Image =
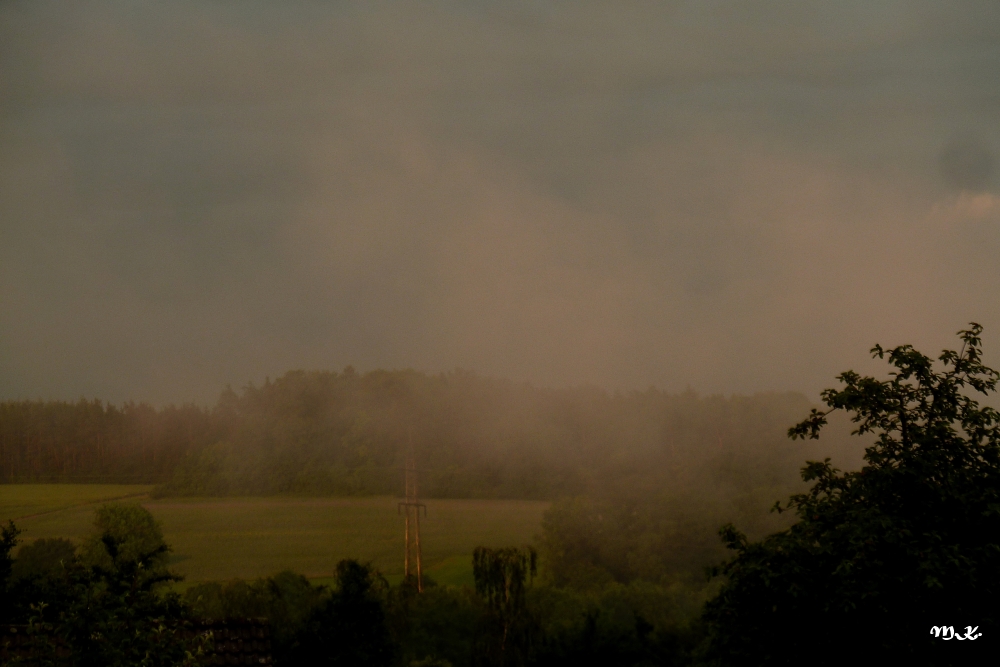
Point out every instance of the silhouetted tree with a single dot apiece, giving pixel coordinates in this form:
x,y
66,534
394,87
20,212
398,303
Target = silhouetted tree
x,y
108,608
879,556
350,628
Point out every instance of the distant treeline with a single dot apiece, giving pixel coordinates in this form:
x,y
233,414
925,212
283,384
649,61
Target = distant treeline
x,y
348,433
90,441
641,481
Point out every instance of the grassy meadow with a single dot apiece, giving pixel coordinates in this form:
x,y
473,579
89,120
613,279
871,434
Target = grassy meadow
x,y
222,538
26,501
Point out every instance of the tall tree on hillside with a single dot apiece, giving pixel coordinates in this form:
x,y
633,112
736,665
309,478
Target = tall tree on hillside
x,y
881,555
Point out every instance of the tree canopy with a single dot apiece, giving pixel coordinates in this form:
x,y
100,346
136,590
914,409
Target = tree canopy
x,y
879,556
104,608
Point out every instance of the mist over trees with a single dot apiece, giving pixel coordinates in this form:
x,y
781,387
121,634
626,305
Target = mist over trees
x,y
345,434
872,557
641,481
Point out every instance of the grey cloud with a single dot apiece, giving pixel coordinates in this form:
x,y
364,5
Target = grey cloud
x,y
732,196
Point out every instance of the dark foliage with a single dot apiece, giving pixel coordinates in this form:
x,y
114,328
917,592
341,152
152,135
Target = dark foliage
x,y
879,556
46,558
350,628
502,579
437,627
115,617
287,600
8,540
638,624
104,609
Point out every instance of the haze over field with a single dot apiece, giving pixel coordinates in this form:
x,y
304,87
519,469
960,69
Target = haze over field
x,y
738,197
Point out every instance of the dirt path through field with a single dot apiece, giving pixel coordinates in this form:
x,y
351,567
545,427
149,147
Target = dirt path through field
x,y
83,504
27,502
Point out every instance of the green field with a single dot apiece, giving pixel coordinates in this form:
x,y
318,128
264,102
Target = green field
x,y
222,538
28,500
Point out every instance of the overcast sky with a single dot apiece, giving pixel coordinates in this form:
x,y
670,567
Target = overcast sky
x,y
731,196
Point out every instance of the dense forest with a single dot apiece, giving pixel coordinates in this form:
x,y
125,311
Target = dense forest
x,y
90,441
348,433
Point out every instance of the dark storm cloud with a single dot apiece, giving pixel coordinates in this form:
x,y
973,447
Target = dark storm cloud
x,y
733,196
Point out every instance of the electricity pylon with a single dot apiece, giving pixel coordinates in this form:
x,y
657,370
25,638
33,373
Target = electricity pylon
x,y
412,506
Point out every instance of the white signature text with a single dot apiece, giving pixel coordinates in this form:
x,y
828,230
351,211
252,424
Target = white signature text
x,y
948,632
